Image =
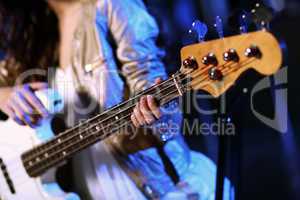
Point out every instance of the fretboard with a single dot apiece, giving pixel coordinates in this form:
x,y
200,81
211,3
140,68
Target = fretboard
x,y
39,159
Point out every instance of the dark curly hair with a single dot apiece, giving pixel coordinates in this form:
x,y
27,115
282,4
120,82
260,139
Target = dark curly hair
x,y
28,34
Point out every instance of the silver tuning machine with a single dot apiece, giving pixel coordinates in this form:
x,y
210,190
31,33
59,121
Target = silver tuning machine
x,y
231,55
210,59
253,52
190,63
215,74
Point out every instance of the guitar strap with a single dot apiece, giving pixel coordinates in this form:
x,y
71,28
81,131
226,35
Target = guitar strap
x,y
138,177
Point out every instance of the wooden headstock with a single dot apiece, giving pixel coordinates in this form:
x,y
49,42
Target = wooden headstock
x,y
215,65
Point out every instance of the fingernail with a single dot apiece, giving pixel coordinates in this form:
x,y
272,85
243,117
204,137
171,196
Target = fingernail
x,y
149,97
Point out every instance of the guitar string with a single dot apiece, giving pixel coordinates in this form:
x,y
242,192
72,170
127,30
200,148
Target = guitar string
x,y
177,74
16,176
110,125
106,126
86,138
86,122
114,107
122,125
125,116
44,150
92,135
51,163
56,159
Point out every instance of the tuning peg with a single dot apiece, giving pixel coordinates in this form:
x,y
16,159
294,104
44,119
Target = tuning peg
x,y
199,29
190,63
219,26
210,59
231,55
253,52
261,15
215,74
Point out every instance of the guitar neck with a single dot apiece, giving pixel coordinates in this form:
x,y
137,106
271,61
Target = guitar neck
x,y
39,159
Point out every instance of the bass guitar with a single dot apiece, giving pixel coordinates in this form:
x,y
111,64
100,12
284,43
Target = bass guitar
x,y
212,66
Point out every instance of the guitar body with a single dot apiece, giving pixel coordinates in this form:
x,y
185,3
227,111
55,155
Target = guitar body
x,y
15,140
15,183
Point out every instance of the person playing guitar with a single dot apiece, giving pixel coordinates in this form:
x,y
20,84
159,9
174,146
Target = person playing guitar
x,y
79,36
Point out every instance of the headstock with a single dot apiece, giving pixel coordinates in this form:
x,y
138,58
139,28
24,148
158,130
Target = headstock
x,y
215,65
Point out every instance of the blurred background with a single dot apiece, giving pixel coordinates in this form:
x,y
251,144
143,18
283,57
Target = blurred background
x,y
262,161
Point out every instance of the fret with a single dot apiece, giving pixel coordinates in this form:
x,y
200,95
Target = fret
x,y
47,155
67,147
39,167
